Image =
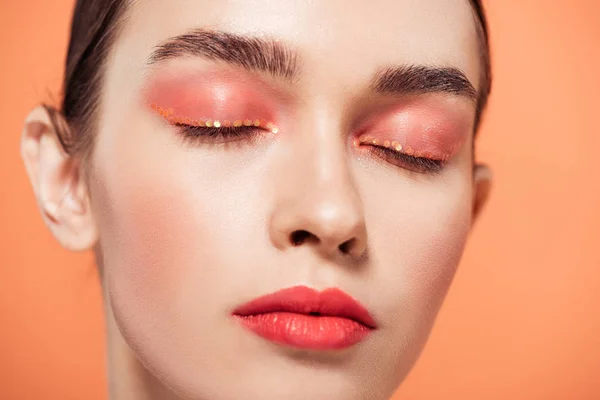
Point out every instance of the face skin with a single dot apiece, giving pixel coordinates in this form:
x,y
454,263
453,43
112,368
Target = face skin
x,y
189,230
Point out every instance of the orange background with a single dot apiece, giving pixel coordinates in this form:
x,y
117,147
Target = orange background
x,y
522,320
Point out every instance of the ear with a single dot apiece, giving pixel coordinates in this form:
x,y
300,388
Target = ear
x,y
58,182
482,180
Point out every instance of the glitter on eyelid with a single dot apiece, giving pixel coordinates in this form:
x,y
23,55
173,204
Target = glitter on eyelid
x,y
366,139
172,118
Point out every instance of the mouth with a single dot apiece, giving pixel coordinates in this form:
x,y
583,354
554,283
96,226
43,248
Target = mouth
x,y
301,317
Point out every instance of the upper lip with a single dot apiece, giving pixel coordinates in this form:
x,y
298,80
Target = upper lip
x,y
304,300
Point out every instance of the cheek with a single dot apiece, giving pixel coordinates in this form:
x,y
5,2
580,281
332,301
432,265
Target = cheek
x,y
157,223
417,232
152,227
167,216
439,240
420,237
441,224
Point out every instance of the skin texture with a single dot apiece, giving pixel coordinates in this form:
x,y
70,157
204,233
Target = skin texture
x,y
186,232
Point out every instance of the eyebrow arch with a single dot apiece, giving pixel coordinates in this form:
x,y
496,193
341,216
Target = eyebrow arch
x,y
254,54
420,79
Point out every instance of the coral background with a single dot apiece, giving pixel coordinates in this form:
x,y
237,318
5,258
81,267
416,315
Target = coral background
x,y
522,319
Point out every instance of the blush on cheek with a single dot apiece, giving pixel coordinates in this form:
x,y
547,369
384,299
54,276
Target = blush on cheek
x,y
156,243
157,228
440,254
154,227
146,222
423,247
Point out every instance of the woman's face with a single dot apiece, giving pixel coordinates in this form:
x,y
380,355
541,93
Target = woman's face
x,y
359,177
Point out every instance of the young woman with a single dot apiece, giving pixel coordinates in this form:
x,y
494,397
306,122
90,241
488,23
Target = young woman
x,y
278,193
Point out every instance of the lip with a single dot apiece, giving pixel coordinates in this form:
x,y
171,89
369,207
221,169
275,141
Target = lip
x,y
302,317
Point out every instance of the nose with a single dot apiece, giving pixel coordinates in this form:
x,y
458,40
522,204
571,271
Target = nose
x,y
317,203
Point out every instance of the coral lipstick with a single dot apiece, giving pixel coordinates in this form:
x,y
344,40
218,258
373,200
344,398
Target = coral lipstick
x,y
304,318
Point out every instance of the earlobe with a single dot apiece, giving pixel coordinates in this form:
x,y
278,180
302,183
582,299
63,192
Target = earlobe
x,y
482,181
57,182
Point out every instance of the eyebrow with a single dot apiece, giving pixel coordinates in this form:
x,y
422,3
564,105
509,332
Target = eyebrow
x,y
254,54
274,58
420,79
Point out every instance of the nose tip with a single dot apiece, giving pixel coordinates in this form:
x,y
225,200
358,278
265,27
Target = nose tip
x,y
331,227
317,203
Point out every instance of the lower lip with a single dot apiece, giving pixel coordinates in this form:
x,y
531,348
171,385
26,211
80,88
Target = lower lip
x,y
306,331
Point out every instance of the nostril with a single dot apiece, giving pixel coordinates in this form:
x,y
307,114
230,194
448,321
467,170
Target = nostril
x,y
299,237
346,246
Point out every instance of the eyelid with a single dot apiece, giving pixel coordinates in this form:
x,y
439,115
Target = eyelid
x,y
170,116
403,160
391,151
424,127
395,145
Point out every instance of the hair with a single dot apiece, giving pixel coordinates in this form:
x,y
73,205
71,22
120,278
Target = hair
x,y
94,28
485,80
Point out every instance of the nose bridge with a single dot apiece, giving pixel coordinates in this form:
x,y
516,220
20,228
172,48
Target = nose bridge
x,y
317,201
324,150
324,156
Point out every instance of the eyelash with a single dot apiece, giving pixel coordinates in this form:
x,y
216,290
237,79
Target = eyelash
x,y
403,160
200,134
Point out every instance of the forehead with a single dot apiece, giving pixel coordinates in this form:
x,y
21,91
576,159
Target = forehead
x,y
348,39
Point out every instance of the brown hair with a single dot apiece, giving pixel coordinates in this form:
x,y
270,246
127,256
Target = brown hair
x,y
94,28
485,80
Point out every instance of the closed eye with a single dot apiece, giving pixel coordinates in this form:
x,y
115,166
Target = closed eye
x,y
403,160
